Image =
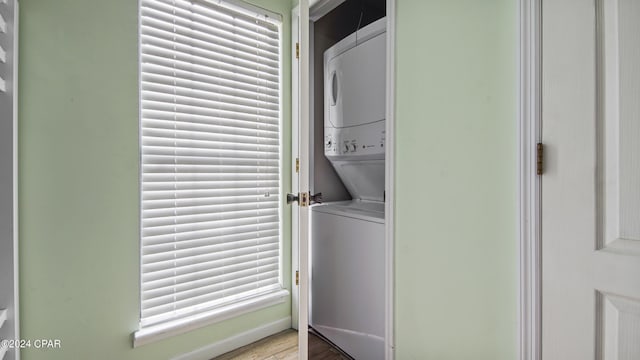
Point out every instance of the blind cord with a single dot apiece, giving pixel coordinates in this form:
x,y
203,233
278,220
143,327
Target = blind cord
x,y
359,20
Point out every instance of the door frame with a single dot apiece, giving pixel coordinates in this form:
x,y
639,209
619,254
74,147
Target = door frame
x,y
318,9
529,182
295,188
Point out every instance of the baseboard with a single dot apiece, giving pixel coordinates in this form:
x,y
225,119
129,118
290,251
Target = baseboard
x,y
236,341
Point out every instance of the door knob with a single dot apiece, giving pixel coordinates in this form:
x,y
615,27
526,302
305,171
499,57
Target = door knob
x,y
316,198
306,198
292,197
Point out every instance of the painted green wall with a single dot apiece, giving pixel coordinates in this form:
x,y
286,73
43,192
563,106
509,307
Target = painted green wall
x,y
78,146
456,239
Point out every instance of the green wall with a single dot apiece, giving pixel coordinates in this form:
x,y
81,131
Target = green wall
x,y
456,238
78,179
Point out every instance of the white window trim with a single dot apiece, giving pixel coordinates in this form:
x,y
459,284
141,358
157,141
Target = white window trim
x,y
165,330
153,333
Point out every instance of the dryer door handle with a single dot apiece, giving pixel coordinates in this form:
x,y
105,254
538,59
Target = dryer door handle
x,y
334,88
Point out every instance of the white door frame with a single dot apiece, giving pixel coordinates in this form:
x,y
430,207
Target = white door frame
x,y
390,186
295,188
320,8
529,182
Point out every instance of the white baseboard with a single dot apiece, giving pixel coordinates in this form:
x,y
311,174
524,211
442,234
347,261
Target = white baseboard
x,y
236,341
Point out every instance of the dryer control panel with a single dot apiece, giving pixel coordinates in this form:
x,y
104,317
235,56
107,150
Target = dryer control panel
x,y
358,141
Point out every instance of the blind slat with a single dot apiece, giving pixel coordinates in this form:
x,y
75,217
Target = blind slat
x,y
163,65
207,241
210,209
232,36
257,192
191,202
220,230
223,166
205,277
213,102
202,242
185,81
219,44
197,296
199,220
212,18
161,156
158,90
204,185
180,56
234,141
228,220
197,108
255,127
159,67
209,286
186,261
225,176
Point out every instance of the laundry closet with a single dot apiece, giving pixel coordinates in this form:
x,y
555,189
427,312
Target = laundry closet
x,y
347,142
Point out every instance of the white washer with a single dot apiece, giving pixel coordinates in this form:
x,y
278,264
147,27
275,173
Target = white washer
x,y
347,276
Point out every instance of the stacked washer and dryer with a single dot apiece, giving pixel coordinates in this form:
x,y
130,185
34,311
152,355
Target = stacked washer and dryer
x,y
347,237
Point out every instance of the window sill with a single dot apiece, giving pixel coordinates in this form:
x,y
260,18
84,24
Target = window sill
x,y
162,331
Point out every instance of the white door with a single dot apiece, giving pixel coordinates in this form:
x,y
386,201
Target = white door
x,y
591,185
301,125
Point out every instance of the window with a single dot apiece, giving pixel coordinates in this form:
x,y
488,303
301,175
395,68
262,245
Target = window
x,y
210,94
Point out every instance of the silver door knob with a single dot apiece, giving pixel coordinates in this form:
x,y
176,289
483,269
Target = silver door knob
x,y
292,197
316,198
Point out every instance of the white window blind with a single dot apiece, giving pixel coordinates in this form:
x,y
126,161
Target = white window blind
x,y
210,142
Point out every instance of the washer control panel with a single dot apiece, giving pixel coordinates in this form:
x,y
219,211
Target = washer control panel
x,y
368,139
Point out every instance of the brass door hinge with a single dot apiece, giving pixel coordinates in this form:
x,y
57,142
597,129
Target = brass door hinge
x,y
297,165
539,159
297,277
297,50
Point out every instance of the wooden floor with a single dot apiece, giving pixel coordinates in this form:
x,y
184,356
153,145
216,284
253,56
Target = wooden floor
x,y
284,346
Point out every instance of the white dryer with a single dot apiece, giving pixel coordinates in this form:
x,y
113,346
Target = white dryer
x,y
347,238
